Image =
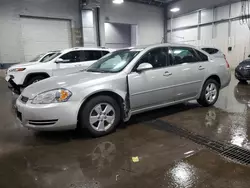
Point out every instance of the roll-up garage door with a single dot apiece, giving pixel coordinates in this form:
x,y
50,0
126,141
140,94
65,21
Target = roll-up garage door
x,y
42,35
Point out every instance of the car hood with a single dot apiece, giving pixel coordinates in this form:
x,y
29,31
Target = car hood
x,y
245,62
67,81
23,65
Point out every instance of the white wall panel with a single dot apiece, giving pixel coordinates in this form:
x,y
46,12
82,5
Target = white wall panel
x,y
222,12
88,28
240,34
206,32
10,11
187,6
235,9
207,16
240,37
149,19
134,36
88,18
185,36
43,35
187,20
221,30
221,36
117,35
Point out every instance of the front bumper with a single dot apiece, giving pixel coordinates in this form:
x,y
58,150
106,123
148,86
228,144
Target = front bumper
x,y
47,117
243,74
12,85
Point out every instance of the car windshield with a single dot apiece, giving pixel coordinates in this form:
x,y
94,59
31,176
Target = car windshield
x,y
49,57
37,58
114,62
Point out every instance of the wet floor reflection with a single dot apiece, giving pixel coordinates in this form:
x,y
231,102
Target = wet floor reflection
x,y
206,169
183,175
221,122
54,167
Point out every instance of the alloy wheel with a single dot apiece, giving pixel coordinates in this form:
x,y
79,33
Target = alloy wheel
x,y
102,117
211,92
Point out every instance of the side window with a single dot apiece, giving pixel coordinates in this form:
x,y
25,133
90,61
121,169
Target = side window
x,y
158,58
91,55
202,56
105,53
71,57
184,55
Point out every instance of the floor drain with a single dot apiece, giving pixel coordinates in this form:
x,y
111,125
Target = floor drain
x,y
229,151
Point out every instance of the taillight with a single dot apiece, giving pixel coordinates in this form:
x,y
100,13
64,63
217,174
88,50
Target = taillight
x,y
228,66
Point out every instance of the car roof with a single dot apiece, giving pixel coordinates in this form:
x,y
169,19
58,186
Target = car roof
x,y
54,51
86,48
142,47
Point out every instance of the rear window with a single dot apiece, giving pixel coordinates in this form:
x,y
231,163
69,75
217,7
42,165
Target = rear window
x,y
210,50
202,56
91,55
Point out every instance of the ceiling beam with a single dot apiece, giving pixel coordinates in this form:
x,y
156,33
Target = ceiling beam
x,y
149,2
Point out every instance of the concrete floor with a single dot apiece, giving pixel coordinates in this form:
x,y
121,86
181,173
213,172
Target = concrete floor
x,y
136,155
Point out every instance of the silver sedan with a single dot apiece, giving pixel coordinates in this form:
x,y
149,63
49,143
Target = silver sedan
x,y
123,83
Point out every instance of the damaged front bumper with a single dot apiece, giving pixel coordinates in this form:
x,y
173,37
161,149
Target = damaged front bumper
x,y
12,85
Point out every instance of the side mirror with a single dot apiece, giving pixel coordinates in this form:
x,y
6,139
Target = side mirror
x,y
59,60
144,66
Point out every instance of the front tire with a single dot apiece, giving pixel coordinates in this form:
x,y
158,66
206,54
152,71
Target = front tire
x,y
100,115
209,94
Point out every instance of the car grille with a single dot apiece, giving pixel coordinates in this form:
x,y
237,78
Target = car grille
x,y
43,122
244,73
24,99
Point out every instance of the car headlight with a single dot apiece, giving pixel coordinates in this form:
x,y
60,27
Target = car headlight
x,y
17,70
53,96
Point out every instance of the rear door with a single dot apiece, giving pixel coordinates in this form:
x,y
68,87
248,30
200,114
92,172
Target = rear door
x,y
191,66
154,86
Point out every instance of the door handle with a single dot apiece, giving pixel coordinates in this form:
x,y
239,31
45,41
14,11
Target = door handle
x,y
201,68
167,73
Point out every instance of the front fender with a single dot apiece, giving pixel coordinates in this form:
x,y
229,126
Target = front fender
x,y
117,87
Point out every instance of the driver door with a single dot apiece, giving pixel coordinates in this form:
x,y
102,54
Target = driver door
x,y
154,86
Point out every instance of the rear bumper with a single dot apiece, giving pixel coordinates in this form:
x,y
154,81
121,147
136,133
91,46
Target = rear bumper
x,y
226,79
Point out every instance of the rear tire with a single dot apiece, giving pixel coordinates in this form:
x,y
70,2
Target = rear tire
x,y
35,79
100,115
210,93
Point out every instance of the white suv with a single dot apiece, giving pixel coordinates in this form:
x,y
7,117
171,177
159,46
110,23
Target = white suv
x,y
60,63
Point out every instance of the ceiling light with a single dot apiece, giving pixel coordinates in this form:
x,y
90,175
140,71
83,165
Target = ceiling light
x,y
176,9
118,1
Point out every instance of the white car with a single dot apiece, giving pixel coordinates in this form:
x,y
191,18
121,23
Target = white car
x,y
60,63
